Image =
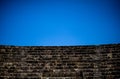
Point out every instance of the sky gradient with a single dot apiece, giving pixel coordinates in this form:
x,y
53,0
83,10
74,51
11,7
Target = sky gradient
x,y
59,22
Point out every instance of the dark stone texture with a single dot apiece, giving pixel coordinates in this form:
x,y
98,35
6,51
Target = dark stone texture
x,y
60,62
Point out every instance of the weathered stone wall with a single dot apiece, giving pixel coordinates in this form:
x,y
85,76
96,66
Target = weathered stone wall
x,y
60,62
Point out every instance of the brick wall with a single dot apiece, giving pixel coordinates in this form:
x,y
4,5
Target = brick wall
x,y
60,62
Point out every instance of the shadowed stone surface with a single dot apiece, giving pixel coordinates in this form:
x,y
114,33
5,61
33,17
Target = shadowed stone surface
x,y
60,62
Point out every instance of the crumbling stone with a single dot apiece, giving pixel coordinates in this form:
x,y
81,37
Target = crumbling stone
x,y
60,62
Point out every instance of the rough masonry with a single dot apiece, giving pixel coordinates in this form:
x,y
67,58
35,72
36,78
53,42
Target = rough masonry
x,y
60,62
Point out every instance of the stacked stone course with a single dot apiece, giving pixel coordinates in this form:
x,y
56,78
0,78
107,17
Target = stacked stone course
x,y
60,62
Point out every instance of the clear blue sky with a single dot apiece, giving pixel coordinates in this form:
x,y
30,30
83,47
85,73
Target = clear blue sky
x,y
59,22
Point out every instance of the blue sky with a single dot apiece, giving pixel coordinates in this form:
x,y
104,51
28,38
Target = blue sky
x,y
59,22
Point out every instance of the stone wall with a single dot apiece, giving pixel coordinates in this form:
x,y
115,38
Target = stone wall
x,y
60,62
